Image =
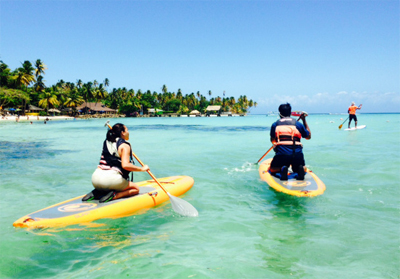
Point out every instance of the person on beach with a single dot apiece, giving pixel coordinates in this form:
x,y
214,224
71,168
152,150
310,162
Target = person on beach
x,y
352,112
285,135
111,177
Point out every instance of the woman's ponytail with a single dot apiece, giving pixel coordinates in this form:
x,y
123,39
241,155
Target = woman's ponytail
x,y
115,132
110,136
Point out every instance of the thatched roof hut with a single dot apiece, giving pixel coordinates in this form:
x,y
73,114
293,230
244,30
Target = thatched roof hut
x,y
95,107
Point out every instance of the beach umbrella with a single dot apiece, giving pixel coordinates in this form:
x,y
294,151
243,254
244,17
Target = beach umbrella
x,y
11,109
54,110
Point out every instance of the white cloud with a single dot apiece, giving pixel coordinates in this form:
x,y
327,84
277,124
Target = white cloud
x,y
324,102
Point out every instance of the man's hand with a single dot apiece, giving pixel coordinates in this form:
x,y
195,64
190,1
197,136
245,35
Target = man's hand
x,y
303,116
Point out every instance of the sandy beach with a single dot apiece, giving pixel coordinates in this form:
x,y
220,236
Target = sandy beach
x,y
33,119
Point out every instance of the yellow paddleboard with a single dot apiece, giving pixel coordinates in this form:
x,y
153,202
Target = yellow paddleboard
x,y
75,211
311,186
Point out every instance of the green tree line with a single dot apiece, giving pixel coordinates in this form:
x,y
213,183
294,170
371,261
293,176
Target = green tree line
x,y
26,85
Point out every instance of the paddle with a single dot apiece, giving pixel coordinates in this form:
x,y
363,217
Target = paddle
x,y
179,205
265,154
340,127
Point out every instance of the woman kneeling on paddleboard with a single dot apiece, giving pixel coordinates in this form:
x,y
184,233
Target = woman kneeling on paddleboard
x,y
111,178
285,135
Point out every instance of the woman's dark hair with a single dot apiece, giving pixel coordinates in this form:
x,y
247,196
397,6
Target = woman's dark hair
x,y
115,132
285,110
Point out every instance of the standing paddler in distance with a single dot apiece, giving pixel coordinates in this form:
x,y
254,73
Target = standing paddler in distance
x,y
111,177
285,136
352,113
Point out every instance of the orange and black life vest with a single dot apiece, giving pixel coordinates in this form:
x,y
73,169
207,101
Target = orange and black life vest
x,y
352,109
286,132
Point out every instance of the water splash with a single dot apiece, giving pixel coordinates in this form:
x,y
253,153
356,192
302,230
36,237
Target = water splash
x,y
246,167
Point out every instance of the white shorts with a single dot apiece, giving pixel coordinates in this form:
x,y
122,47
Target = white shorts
x,y
109,180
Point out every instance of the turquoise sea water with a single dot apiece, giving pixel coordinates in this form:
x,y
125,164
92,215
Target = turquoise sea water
x,y
244,229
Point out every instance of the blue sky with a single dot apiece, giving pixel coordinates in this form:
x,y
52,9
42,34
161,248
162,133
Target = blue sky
x,y
318,55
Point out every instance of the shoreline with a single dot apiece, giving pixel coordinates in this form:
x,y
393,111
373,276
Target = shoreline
x,y
12,118
33,119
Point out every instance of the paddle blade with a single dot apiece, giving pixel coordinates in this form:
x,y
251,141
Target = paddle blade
x,y
182,207
340,127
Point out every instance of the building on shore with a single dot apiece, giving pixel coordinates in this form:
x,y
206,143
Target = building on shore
x,y
213,110
93,108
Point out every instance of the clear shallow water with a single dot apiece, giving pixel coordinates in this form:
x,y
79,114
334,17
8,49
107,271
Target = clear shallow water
x,y
245,229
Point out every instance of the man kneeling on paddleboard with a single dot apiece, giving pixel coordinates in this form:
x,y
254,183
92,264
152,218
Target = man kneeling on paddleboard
x,y
285,135
111,178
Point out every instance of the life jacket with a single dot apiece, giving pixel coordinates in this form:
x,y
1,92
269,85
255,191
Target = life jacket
x,y
110,158
286,132
352,109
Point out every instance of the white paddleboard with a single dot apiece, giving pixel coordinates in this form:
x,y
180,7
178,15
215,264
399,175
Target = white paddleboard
x,y
354,128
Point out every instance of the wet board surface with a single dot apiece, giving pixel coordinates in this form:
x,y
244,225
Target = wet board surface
x,y
309,187
354,128
77,205
76,211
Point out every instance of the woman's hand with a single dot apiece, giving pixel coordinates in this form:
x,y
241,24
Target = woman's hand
x,y
145,168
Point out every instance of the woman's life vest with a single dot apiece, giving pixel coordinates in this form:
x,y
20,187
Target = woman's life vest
x,y
110,158
286,132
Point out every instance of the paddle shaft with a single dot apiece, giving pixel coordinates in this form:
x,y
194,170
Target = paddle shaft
x,y
149,172
265,154
341,125
141,163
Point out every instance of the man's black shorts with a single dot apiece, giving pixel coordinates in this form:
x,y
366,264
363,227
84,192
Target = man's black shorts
x,y
286,160
352,116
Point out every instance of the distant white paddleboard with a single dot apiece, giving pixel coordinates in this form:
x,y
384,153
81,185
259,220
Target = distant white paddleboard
x,y
354,128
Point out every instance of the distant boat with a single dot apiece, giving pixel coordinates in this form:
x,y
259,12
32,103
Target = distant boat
x,y
298,113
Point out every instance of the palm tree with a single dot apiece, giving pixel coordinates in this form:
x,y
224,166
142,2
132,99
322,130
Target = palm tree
x,y
139,94
164,89
40,68
179,95
79,83
114,99
209,93
26,77
74,99
48,99
87,91
100,93
106,82
236,108
5,74
60,83
232,101
26,73
39,86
